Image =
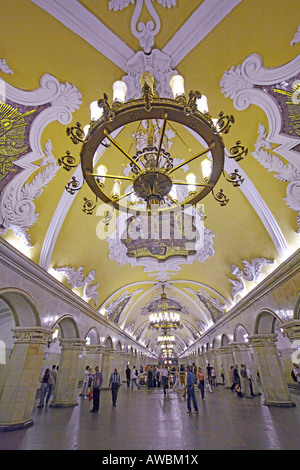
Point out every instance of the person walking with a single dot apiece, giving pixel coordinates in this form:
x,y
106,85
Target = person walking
x,y
232,378
245,386
223,374
51,383
44,386
164,379
128,375
177,380
150,377
96,385
135,375
201,384
190,382
114,383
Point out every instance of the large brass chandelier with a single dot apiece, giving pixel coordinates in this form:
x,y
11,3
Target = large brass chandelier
x,y
153,178
165,317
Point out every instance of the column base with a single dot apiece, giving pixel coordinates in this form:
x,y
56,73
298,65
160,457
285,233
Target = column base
x,y
280,404
16,426
63,405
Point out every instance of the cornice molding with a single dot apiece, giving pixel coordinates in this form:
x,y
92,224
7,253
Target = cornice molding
x,y
26,268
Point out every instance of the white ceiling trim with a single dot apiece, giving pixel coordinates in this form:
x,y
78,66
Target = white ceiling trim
x,y
258,204
83,23
197,27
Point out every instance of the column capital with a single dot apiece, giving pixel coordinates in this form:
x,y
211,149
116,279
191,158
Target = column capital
x,y
239,346
263,340
37,334
291,329
72,343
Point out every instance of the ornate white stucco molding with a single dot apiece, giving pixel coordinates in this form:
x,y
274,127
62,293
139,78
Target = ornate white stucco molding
x,y
284,172
245,85
296,38
4,67
16,204
145,33
251,272
76,280
241,83
162,271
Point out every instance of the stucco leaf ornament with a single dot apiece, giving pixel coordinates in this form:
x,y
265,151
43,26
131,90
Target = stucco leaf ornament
x,y
145,33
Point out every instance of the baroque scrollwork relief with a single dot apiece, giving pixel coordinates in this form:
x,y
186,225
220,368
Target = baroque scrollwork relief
x,y
76,279
252,271
51,101
145,33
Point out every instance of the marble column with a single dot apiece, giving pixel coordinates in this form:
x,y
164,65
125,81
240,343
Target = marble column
x,y
274,386
94,356
226,359
292,330
66,388
20,379
242,355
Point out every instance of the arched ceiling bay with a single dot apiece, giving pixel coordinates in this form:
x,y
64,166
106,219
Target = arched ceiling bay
x,y
86,46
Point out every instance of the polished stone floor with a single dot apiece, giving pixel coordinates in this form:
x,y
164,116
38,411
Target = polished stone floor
x,y
146,420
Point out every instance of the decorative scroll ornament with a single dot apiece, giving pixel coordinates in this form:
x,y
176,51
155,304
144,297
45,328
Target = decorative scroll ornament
x,y
251,272
145,33
51,101
4,67
284,172
117,308
296,38
17,209
77,280
212,304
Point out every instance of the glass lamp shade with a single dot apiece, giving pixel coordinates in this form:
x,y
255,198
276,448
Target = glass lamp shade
x,y
86,130
206,166
119,91
191,180
147,79
96,111
177,86
101,171
116,192
202,104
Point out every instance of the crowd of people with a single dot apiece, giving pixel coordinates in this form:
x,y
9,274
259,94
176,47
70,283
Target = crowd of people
x,y
184,378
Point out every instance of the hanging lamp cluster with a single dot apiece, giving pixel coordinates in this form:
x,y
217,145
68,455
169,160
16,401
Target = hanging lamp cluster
x,y
152,177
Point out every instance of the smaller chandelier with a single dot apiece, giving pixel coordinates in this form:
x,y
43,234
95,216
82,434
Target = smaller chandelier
x,y
164,318
166,339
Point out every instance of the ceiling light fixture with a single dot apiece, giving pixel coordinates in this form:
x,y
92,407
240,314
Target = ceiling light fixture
x,y
153,178
165,318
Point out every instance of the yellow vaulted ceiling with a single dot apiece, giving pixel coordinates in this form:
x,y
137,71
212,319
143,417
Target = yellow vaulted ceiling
x,y
35,41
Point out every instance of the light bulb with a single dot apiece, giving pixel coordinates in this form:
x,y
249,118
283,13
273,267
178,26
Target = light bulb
x,y
206,166
101,171
96,111
119,91
202,104
86,131
116,189
191,180
177,86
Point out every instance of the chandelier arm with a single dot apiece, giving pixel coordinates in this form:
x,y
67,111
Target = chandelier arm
x,y
194,184
121,150
192,158
124,195
161,138
109,176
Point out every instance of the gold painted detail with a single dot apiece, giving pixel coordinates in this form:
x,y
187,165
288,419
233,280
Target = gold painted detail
x,y
12,137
